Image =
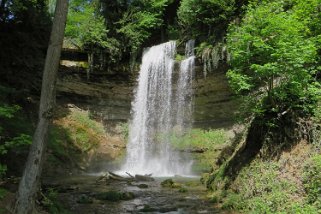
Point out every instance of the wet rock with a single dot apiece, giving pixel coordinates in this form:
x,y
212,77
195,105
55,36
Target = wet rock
x,y
148,208
167,209
115,196
142,186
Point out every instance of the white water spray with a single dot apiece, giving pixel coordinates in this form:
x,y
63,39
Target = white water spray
x,y
184,92
157,111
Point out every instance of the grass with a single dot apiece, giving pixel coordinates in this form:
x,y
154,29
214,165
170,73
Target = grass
x,y
77,130
263,187
312,180
74,134
207,142
200,139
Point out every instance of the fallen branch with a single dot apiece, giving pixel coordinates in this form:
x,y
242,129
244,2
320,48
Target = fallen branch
x,y
130,175
112,176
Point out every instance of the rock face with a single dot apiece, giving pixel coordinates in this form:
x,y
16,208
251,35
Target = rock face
x,y
108,97
214,106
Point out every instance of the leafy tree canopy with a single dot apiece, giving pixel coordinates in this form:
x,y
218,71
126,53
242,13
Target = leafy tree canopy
x,y
201,17
141,18
272,51
85,25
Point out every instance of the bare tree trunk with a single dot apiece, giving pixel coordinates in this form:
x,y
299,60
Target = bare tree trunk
x,y
30,181
90,63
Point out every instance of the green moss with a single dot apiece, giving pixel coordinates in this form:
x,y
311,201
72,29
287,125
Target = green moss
x,y
115,196
167,183
84,199
179,57
182,190
147,208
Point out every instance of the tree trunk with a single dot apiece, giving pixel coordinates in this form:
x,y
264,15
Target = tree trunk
x,y
30,181
90,63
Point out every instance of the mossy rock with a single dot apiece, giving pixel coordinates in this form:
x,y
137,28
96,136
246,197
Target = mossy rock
x,y
127,196
170,184
143,186
167,183
176,185
182,190
115,196
147,208
84,199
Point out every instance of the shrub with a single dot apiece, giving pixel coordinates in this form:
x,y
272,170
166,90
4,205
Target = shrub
x,y
312,181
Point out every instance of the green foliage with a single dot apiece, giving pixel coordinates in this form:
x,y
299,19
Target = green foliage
x,y
85,26
179,57
59,140
260,188
75,134
272,52
207,142
200,139
3,169
3,193
167,183
51,203
16,144
124,130
83,118
312,181
198,17
140,20
21,140
308,12
8,113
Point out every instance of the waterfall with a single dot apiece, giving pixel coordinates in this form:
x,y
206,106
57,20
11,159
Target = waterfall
x,y
156,110
184,92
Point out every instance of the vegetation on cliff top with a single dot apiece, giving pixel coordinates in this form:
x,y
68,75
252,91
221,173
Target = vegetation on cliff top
x,y
272,49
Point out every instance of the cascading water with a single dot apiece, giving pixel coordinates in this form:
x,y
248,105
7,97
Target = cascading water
x,y
184,92
157,110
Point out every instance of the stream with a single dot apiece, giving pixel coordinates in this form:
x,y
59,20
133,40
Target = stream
x,y
78,194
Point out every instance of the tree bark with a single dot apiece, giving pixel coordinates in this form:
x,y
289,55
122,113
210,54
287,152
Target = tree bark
x,y
30,181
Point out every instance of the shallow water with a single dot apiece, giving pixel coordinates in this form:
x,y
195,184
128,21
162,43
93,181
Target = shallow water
x,y
153,199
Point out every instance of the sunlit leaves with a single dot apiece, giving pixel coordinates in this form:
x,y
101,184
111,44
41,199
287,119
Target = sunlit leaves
x,y
197,16
85,26
140,20
271,50
8,111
